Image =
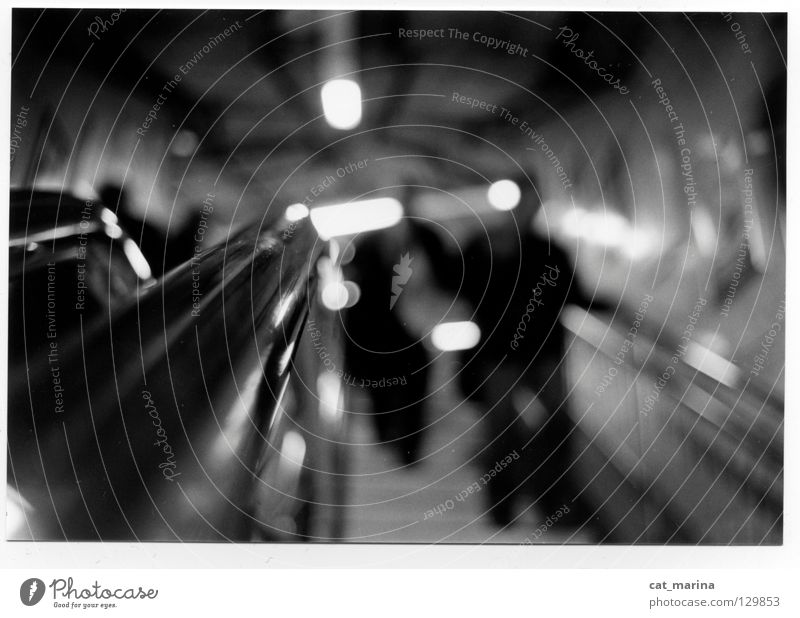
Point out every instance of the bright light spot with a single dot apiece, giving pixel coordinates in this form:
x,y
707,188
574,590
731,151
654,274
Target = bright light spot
x,y
704,232
279,406
335,296
82,189
608,228
611,230
504,195
571,220
108,217
295,212
356,217
641,244
282,310
17,512
237,422
137,260
184,143
712,364
325,267
759,251
452,336
293,451
341,103
329,390
285,358
353,293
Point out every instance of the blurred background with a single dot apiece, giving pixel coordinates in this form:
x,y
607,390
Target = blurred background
x,y
630,166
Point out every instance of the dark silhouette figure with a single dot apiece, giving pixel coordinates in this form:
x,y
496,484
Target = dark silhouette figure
x,y
518,283
382,356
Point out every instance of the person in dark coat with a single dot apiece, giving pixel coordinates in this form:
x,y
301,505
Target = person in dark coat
x,y
518,283
382,354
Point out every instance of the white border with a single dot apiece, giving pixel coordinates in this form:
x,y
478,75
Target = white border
x,y
204,556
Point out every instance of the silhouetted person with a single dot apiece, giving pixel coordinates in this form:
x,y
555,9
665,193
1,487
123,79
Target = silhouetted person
x,y
518,283
382,356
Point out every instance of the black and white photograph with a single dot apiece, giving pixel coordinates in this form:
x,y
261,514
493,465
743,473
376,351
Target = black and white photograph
x,y
395,276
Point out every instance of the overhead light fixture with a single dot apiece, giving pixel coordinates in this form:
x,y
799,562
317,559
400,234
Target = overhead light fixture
x,y
452,336
295,212
504,195
341,103
356,217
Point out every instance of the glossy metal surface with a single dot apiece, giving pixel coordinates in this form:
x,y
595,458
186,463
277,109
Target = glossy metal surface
x,y
704,465
167,412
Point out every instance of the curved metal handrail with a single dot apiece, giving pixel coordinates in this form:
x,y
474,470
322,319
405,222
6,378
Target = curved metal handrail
x,y
165,401
707,459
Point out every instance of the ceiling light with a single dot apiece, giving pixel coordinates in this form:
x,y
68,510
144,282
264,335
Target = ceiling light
x,y
341,103
295,212
504,195
450,336
356,217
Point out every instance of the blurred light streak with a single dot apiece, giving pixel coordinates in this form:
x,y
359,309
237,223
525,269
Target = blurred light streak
x,y
609,229
136,258
329,389
712,364
451,336
705,235
356,217
17,511
283,308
